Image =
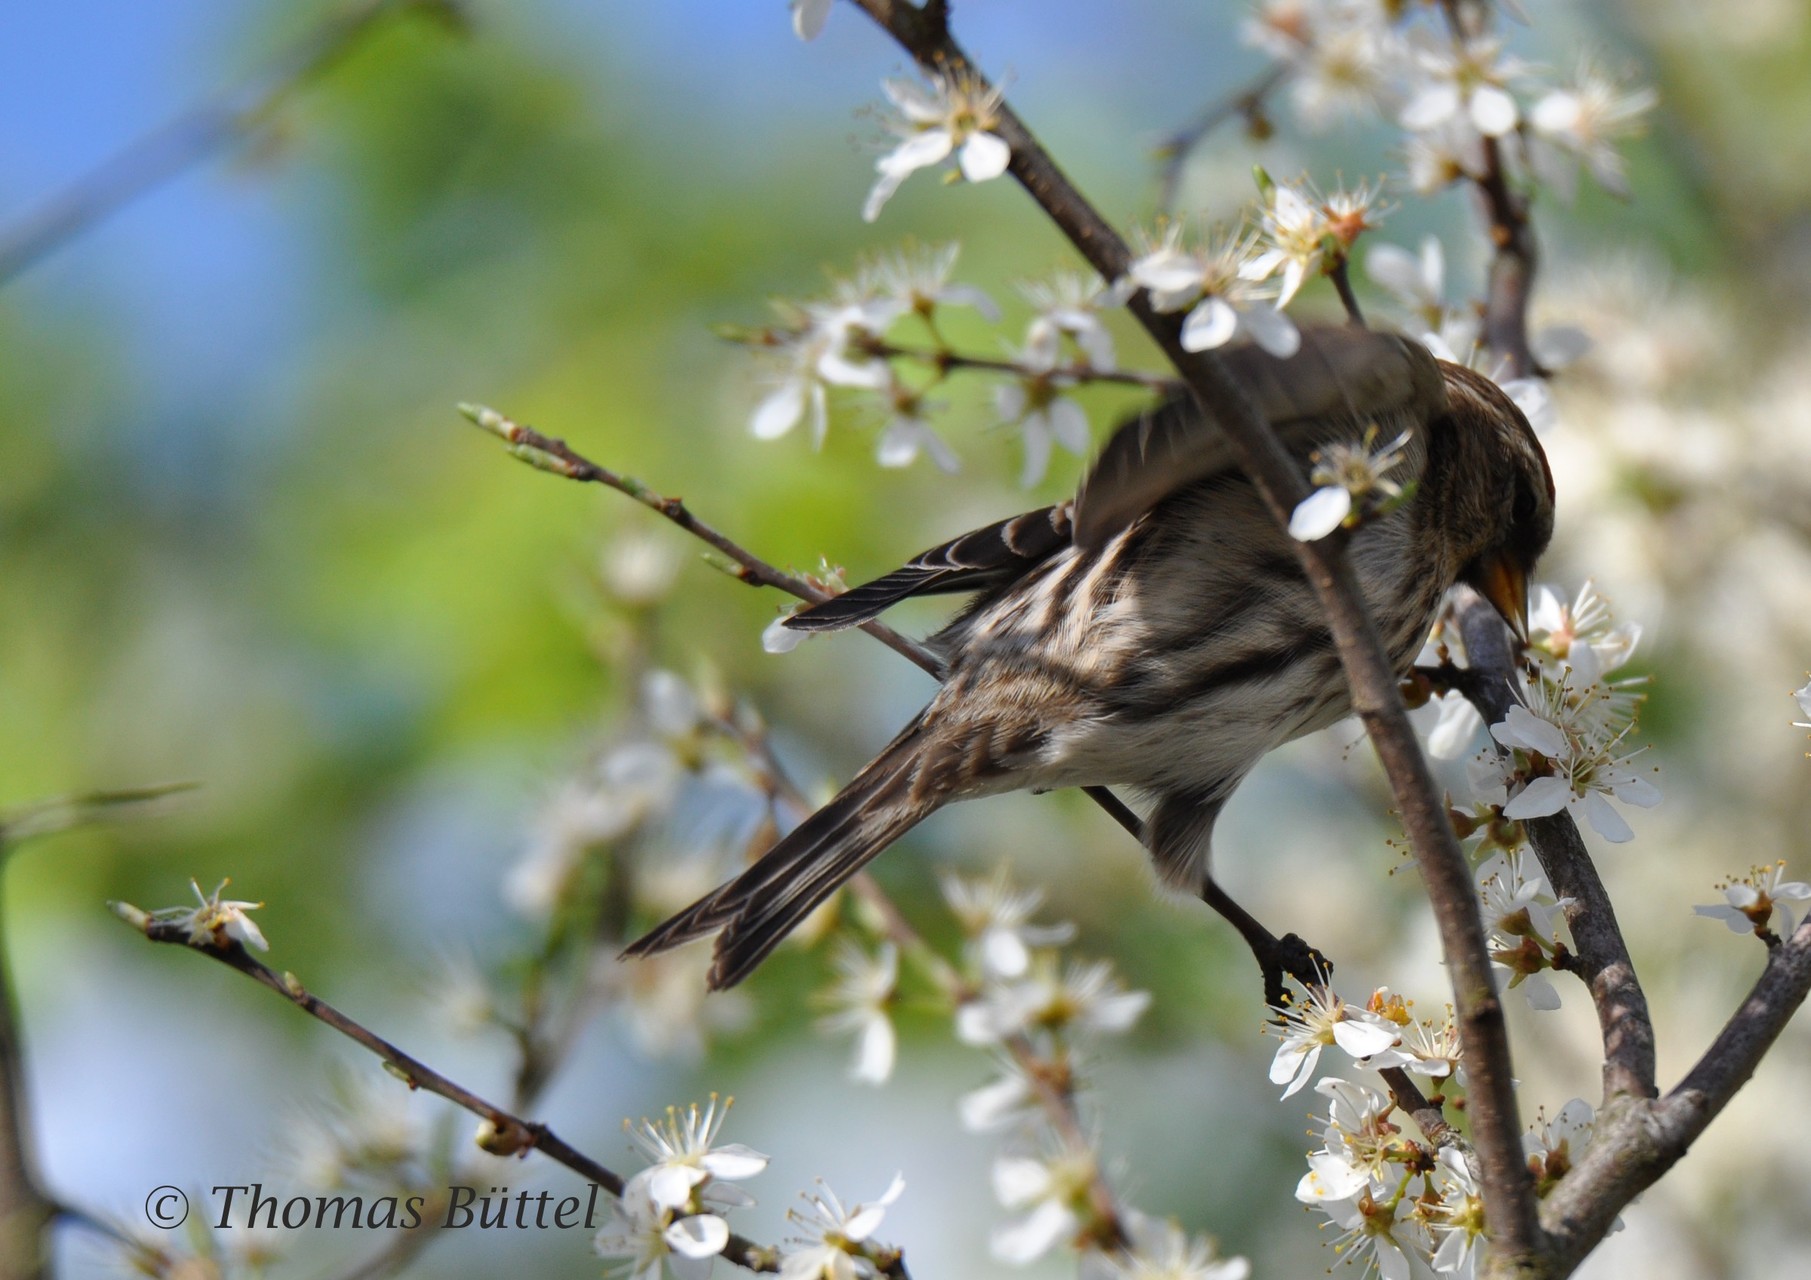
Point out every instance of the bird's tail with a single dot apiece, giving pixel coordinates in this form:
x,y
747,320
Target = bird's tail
x,y
753,912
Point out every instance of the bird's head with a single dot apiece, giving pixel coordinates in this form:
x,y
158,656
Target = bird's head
x,y
1504,490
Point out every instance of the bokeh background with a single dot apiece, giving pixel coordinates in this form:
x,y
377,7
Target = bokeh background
x,y
246,541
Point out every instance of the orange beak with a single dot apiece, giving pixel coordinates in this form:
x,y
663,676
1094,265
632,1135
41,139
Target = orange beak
x,y
1502,581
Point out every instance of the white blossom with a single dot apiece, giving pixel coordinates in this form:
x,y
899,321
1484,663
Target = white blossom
x,y
1575,734
646,1235
1552,1146
1219,286
996,919
835,1243
821,347
1581,123
216,922
1085,998
1803,698
1458,1224
1050,1190
1346,476
681,1146
907,434
998,1104
1159,1249
1044,416
1323,1019
1582,633
1750,902
861,1000
1070,304
1465,84
917,279
955,114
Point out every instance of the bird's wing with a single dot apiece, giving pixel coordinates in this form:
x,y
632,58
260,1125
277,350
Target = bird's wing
x,y
984,558
1341,375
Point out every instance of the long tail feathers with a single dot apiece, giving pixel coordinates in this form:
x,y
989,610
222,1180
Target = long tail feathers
x,y
754,912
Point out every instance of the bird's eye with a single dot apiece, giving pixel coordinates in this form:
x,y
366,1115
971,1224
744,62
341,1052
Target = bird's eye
x,y
1524,504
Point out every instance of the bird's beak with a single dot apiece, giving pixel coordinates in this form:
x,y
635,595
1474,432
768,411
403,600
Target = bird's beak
x,y
1502,581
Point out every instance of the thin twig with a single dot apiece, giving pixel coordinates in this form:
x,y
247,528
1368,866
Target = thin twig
x,y
944,360
548,453
509,1134
1247,103
1508,1190
193,136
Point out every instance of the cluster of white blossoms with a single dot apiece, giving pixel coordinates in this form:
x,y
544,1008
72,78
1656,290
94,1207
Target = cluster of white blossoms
x,y
1454,96
1403,1204
670,1215
843,342
1565,744
1037,1012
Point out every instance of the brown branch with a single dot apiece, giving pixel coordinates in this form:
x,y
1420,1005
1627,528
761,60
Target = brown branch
x,y
548,453
943,361
1507,1188
1601,957
191,137
25,1209
1247,103
510,1134
1636,1140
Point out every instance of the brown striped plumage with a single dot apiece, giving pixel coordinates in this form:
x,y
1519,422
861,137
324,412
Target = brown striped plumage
x,y
1157,632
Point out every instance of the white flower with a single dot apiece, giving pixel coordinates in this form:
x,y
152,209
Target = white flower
x,y
1517,909
1053,1189
835,1245
1582,634
1216,285
1466,84
1582,123
1341,55
1552,1146
1436,158
1458,1223
1347,475
1373,1236
861,1000
1296,230
1070,304
1418,281
1043,416
1320,1020
646,1235
638,568
1448,723
216,922
908,433
917,279
996,919
955,114
820,347
1087,998
1159,1249
809,16
1749,903
998,1104
680,1145
1575,733
1803,698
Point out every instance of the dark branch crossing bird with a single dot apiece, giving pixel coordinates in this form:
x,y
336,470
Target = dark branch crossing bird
x,y
1157,631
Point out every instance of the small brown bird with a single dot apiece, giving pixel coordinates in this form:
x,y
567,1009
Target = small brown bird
x,y
1157,632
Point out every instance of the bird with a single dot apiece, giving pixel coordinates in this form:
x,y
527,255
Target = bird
x,y
1157,631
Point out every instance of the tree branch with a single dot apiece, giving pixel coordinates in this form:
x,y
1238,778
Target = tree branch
x,y
193,136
